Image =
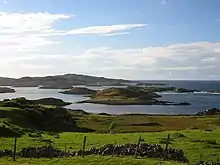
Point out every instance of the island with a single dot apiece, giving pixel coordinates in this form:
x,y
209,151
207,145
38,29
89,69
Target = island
x,y
18,102
65,81
127,96
56,86
183,90
161,88
79,91
6,90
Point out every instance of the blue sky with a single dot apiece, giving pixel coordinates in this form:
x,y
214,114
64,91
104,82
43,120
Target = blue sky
x,y
135,39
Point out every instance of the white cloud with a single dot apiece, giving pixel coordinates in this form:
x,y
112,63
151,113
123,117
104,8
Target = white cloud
x,y
173,62
24,36
105,30
27,31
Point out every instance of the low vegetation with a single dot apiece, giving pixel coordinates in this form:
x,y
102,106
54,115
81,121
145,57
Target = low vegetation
x,y
37,125
132,95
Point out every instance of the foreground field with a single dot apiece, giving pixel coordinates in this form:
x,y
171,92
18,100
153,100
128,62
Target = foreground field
x,y
90,160
197,136
196,144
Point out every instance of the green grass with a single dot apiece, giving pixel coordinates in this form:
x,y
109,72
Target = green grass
x,y
200,134
143,123
194,144
89,160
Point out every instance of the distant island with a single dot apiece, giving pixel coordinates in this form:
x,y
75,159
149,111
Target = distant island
x,y
61,81
6,90
79,91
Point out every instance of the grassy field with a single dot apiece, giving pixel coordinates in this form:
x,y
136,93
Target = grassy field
x,y
196,145
199,135
146,123
90,160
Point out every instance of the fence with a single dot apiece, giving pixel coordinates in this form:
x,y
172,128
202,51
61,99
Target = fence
x,y
42,147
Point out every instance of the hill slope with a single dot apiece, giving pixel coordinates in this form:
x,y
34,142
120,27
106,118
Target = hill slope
x,y
60,81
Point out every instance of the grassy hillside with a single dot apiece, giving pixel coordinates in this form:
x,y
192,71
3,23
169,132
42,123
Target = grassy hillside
x,y
19,116
60,81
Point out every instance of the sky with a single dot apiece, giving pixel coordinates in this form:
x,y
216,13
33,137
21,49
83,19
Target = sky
x,y
131,39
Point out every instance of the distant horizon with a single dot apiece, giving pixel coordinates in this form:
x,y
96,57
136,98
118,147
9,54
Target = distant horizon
x,y
112,77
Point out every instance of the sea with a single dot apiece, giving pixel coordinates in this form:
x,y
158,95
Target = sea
x,y
200,101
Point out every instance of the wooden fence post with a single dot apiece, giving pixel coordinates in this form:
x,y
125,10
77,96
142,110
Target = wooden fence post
x,y
84,145
138,143
30,152
50,149
65,151
168,141
15,147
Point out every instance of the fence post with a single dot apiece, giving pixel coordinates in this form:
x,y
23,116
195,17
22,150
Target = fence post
x,y
30,152
84,145
200,156
138,143
168,141
65,151
50,149
15,147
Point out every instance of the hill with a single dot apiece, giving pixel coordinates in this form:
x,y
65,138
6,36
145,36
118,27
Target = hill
x,y
60,81
123,96
20,116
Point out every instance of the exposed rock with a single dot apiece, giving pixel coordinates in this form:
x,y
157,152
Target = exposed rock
x,y
183,90
79,91
6,90
211,111
182,103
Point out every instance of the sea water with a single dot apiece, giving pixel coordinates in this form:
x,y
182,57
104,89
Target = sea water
x,y
199,100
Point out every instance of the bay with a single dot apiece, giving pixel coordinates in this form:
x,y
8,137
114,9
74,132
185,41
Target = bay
x,y
199,101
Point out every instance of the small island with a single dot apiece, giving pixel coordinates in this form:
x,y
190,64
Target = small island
x,y
79,91
6,90
183,90
57,86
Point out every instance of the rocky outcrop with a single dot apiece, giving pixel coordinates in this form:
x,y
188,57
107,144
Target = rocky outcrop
x,y
210,111
6,90
79,91
183,90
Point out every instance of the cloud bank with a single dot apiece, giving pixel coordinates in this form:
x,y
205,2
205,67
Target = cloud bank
x,y
25,36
